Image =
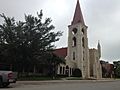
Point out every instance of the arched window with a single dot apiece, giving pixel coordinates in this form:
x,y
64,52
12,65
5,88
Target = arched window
x,y
83,55
67,67
74,31
73,55
70,71
60,70
83,42
74,42
82,31
67,70
63,70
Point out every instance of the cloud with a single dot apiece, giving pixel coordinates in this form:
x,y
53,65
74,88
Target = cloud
x,y
103,21
101,17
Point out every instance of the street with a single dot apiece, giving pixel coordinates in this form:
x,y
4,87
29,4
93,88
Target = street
x,y
69,85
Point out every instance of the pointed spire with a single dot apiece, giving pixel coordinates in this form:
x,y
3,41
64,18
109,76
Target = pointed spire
x,y
98,43
99,48
78,17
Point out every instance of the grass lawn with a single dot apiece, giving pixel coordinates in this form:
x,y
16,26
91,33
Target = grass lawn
x,y
37,78
74,78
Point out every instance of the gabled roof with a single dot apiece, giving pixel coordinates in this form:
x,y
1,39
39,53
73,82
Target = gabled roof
x,y
61,52
78,17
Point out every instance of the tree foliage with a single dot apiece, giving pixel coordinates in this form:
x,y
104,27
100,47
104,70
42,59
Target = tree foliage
x,y
25,44
117,68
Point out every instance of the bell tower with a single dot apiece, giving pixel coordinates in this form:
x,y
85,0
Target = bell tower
x,y
78,52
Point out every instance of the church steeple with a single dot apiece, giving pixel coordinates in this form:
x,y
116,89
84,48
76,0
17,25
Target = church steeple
x,y
78,51
99,49
78,17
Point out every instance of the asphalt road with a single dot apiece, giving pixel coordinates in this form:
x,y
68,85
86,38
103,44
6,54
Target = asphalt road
x,y
72,85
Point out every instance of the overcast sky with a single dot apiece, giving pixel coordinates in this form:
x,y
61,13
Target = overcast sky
x,y
101,16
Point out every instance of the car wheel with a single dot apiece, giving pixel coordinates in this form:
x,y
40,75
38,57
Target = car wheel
x,y
5,84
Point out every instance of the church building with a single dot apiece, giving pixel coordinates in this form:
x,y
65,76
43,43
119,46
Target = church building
x,y
78,56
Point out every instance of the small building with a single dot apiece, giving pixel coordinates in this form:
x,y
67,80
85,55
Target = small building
x,y
107,69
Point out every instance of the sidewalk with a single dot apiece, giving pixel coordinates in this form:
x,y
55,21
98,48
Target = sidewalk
x,y
62,81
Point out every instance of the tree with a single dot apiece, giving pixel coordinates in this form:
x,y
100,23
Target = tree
x,y
25,43
53,62
117,68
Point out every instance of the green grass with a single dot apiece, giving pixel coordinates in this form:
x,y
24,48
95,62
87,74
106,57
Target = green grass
x,y
117,78
74,78
37,78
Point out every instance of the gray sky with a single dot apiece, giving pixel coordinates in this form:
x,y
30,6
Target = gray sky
x,y
101,16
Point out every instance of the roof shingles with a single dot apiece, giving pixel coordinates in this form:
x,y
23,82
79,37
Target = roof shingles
x,y
61,52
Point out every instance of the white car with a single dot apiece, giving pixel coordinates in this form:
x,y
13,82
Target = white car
x,y
7,77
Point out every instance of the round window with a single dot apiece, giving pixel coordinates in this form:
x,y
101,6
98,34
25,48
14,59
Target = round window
x,y
74,31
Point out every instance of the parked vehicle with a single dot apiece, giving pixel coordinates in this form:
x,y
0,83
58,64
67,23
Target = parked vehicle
x,y
6,75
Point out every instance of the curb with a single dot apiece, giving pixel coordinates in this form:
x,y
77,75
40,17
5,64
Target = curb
x,y
62,81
